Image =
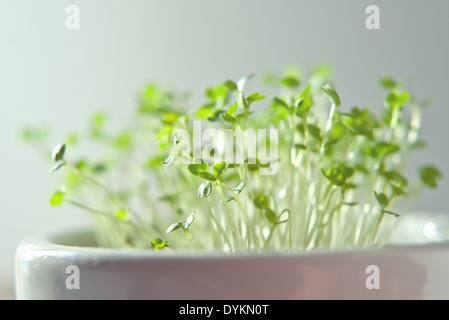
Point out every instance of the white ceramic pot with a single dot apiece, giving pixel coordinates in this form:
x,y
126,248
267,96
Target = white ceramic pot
x,y
414,266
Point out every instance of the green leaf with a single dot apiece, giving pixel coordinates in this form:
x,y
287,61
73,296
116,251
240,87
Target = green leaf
x,y
57,166
123,141
122,215
242,81
271,216
382,149
189,221
159,244
397,100
429,176
331,93
207,176
205,111
204,189
227,199
261,201
174,226
232,109
278,102
254,97
392,213
388,83
97,125
231,85
239,188
290,82
395,179
57,198
220,168
281,218
303,106
227,117
218,93
196,169
315,132
350,204
155,162
306,92
253,164
58,153
331,143
382,199
170,118
34,134
339,175
168,159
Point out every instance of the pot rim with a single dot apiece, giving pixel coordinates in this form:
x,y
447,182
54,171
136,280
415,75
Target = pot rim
x,y
49,243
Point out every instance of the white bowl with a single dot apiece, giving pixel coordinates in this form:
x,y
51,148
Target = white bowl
x,y
414,266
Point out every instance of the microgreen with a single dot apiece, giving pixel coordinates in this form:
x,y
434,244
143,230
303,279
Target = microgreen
x,y
340,169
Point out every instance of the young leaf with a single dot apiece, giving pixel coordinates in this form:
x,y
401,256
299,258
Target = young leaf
x,y
227,199
227,117
271,216
159,244
231,85
189,221
57,166
290,82
392,213
278,102
232,109
284,216
122,215
339,174
58,153
382,149
207,176
397,100
395,179
174,226
170,118
350,204
205,111
239,187
196,169
204,190
220,168
254,97
97,125
57,198
241,82
429,176
331,93
388,83
303,106
382,199
218,93
261,201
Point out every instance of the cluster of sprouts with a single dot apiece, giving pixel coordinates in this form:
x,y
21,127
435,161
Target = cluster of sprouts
x,y
339,171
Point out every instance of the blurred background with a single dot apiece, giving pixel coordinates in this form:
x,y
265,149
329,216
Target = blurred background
x,y
53,76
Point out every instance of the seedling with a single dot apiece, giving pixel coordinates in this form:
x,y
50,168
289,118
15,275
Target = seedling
x,y
339,170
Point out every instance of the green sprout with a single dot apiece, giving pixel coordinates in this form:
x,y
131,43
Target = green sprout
x,y
340,170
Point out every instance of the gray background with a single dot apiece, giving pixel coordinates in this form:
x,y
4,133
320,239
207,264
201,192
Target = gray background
x,y
50,75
